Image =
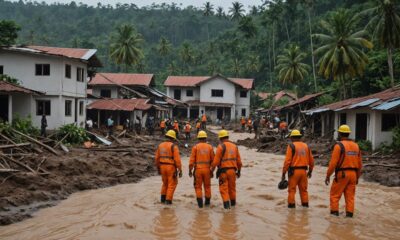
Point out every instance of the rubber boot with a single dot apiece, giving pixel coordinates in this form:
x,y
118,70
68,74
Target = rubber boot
x,y
233,203
305,205
349,214
227,205
200,202
291,205
163,198
335,213
207,202
168,202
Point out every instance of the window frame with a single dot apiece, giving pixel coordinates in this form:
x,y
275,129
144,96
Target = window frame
x,y
214,93
105,89
241,93
68,106
244,111
68,71
81,107
1,70
175,94
42,69
189,91
43,103
395,122
80,74
340,118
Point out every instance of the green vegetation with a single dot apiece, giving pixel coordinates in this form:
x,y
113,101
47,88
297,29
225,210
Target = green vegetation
x,y
365,145
6,78
73,134
8,33
349,52
23,125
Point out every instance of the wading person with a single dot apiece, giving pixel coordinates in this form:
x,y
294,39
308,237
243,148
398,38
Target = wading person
x,y
203,121
110,126
346,164
227,159
188,128
250,124
283,129
199,167
298,160
176,128
243,123
43,126
198,126
168,163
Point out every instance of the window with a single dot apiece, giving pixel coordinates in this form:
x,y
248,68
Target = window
x,y
43,107
342,118
80,108
1,70
68,107
177,94
189,93
243,94
243,112
80,74
217,93
105,93
68,71
389,121
42,70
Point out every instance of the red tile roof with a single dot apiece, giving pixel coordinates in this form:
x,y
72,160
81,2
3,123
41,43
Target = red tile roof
x,y
78,53
277,96
120,104
10,88
192,81
128,79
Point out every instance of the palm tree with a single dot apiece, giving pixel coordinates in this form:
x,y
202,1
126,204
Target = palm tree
x,y
385,25
247,26
341,48
208,11
220,12
254,10
236,11
291,68
164,47
236,67
186,54
253,64
173,68
125,48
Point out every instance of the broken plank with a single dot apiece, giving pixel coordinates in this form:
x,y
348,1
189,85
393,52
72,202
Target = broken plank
x,y
121,134
50,149
18,163
15,145
8,170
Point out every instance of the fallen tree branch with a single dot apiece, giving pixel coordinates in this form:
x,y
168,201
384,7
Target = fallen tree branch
x,y
50,149
15,145
18,163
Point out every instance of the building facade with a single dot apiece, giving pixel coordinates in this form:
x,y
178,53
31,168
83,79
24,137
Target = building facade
x,y
218,97
59,73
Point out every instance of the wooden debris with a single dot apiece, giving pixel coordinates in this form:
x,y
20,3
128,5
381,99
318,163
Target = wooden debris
x,y
50,149
15,145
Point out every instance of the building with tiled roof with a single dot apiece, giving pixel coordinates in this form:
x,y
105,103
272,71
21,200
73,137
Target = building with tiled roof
x,y
59,73
218,97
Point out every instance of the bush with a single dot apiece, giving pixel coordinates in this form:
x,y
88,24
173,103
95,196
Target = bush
x,y
25,125
365,145
396,138
76,135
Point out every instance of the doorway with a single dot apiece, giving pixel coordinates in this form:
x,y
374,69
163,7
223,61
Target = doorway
x,y
3,108
361,126
220,113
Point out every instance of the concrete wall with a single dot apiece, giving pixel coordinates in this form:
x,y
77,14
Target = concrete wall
x,y
184,98
114,90
218,83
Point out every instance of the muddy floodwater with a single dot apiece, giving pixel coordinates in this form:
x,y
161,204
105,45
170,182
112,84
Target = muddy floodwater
x,y
133,211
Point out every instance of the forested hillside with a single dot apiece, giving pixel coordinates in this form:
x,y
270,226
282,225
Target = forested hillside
x,y
270,42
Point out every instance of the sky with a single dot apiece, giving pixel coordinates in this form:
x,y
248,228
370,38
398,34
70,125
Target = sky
x,y
197,3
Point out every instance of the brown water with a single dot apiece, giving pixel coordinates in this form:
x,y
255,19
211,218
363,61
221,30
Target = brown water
x,y
132,211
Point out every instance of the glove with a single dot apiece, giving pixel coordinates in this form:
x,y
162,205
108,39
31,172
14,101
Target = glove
x,y
190,174
327,181
238,174
180,173
309,174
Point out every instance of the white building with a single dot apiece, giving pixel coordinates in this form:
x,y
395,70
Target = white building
x,y
370,117
218,96
60,73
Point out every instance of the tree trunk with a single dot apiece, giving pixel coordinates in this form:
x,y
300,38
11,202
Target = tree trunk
x,y
312,51
208,33
287,31
270,65
390,63
273,42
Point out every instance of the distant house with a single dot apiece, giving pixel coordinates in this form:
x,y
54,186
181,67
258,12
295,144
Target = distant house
x,y
118,94
371,117
218,96
60,73
281,95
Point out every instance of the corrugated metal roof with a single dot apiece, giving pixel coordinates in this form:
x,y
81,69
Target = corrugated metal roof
x,y
120,104
127,79
364,103
388,105
10,88
318,110
193,81
301,100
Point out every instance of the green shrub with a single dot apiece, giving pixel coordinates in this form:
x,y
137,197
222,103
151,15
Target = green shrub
x,y
396,138
365,145
76,135
25,125
384,148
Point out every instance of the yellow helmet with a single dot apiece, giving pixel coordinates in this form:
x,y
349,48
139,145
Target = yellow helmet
x,y
202,134
295,133
223,133
344,129
171,134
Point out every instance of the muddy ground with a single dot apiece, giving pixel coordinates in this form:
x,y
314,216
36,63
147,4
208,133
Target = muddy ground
x,y
23,193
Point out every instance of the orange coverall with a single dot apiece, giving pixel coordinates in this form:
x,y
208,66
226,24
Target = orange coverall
x,y
168,161
162,124
347,176
200,160
300,161
283,126
187,128
176,127
204,118
230,162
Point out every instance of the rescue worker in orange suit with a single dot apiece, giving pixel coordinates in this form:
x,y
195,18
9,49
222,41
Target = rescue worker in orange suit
x,y
227,159
198,126
283,129
199,167
169,166
176,128
162,127
346,163
250,124
298,160
188,128
243,123
203,121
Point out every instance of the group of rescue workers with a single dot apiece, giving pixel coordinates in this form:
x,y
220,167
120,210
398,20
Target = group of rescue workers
x,y
299,164
166,124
